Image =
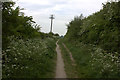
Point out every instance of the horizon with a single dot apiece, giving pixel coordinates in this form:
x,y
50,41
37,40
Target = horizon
x,y
63,11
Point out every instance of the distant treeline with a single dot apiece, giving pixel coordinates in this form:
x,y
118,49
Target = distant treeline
x,y
101,28
15,23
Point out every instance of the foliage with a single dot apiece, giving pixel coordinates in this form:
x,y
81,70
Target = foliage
x,y
74,27
101,28
17,24
27,52
108,63
95,42
93,62
29,59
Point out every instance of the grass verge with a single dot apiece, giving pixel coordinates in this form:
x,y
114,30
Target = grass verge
x,y
69,68
93,62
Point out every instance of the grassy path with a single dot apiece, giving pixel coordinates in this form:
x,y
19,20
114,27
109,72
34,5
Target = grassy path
x,y
70,54
70,64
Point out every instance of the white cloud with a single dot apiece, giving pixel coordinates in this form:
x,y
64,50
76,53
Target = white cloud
x,y
40,2
64,11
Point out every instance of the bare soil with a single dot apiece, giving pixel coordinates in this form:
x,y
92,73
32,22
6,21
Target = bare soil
x,y
60,71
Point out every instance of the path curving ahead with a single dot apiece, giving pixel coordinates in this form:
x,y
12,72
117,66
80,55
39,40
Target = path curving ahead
x,y
60,72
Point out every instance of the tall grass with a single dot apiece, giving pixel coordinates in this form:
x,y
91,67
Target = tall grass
x,y
93,62
32,58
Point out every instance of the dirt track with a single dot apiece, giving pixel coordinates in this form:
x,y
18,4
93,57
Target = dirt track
x,y
60,72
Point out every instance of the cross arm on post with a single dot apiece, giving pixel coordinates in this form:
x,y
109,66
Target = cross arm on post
x,y
51,17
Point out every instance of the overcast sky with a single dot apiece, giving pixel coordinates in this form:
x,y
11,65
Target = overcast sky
x,y
64,11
